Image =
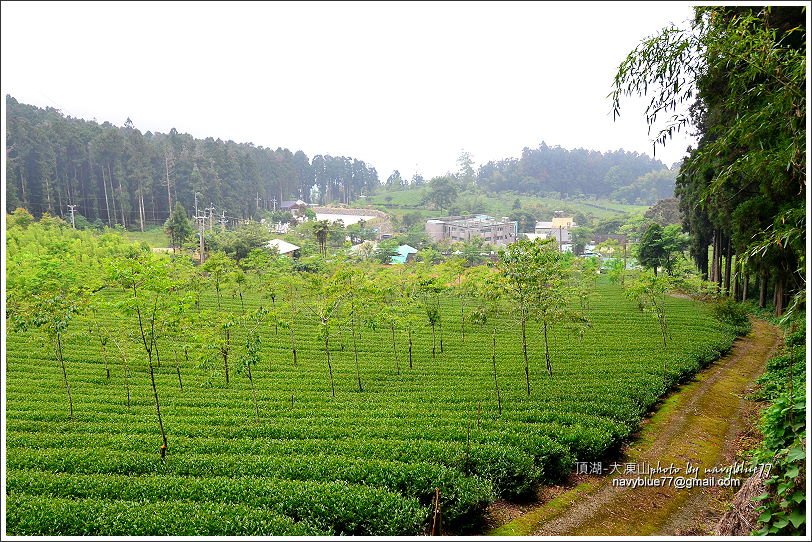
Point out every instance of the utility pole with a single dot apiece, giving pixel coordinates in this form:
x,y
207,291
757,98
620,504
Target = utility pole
x,y
210,210
72,209
201,226
274,203
257,201
223,221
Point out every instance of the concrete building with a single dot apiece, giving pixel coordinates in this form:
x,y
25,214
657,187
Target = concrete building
x,y
465,228
559,227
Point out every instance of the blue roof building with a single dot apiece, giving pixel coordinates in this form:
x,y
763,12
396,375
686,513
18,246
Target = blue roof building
x,y
405,254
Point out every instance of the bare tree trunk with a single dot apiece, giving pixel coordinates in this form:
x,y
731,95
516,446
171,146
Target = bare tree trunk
x,y
524,353
120,195
409,331
495,381
355,352
293,344
106,201
440,325
48,193
253,392
547,351
64,372
329,363
168,184
141,214
224,350
746,285
158,408
177,368
22,187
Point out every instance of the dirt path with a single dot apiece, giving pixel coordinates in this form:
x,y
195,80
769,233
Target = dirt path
x,y
700,424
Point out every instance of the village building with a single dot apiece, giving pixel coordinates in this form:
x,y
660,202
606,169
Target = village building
x,y
405,255
296,208
464,228
284,248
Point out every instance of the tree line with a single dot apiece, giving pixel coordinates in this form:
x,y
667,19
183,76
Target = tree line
x,y
742,70
118,175
628,177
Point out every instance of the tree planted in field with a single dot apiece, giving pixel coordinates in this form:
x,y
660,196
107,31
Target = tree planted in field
x,y
287,313
360,293
328,294
220,269
429,288
99,329
144,277
250,356
178,227
482,285
649,290
536,280
395,295
47,295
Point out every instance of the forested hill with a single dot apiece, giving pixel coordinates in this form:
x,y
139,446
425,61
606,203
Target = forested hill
x,y
118,175
627,177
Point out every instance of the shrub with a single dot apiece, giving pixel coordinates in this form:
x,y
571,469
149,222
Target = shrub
x,y
732,313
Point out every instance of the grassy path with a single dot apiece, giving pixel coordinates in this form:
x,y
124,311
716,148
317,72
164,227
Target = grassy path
x,y
696,424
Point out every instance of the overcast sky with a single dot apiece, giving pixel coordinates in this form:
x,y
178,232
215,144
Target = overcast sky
x,y
398,85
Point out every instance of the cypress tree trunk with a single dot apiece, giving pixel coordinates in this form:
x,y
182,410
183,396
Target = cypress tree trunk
x,y
779,295
762,289
703,264
718,258
728,264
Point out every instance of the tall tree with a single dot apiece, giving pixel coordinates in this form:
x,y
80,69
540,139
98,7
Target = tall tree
x,y
178,227
743,70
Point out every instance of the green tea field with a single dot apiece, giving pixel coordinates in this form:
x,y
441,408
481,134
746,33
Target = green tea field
x,y
301,461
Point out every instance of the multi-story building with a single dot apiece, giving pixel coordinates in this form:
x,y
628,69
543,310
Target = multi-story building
x,y
559,228
464,228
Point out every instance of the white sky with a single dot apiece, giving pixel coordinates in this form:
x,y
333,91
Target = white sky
x,y
399,85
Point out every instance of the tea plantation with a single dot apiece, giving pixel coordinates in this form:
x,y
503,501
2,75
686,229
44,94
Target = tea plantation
x,y
358,463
